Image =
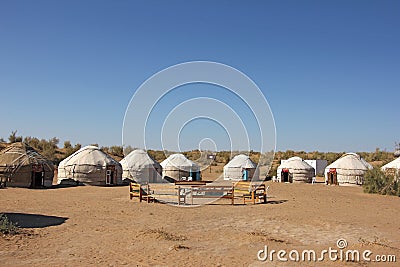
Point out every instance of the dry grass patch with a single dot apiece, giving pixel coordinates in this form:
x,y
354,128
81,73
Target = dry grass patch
x,y
266,237
160,233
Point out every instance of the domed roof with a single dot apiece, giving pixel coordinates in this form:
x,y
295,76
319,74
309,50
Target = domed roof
x,y
179,161
22,154
138,159
295,163
241,161
395,164
350,161
89,155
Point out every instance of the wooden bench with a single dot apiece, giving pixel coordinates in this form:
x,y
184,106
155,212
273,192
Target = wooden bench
x,y
141,191
212,191
191,182
251,192
184,189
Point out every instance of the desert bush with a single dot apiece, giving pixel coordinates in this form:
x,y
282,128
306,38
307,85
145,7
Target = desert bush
x,y
378,182
158,155
69,149
6,226
67,145
13,138
128,149
116,150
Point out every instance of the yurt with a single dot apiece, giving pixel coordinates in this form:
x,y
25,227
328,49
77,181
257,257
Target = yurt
x,y
295,170
392,168
138,166
178,167
23,166
349,169
241,167
90,165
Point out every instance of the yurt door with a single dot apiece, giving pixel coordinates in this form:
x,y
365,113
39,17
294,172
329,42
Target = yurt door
x,y
285,176
245,175
37,175
110,175
332,176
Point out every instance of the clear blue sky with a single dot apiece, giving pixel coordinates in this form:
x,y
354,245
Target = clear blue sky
x,y
330,70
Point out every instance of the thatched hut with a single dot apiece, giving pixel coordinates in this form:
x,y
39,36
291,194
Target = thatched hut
x,y
23,166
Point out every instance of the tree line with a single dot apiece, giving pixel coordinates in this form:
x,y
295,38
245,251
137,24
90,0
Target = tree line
x,y
50,149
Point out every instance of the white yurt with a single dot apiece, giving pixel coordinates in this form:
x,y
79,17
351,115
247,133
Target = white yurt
x,y
90,165
241,167
392,167
295,169
138,166
349,169
177,166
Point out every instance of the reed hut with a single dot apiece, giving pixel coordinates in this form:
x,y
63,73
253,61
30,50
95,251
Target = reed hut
x,y
23,166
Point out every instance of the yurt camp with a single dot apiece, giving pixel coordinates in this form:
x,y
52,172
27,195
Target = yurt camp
x,y
90,165
295,170
392,168
23,166
241,167
138,166
349,169
177,167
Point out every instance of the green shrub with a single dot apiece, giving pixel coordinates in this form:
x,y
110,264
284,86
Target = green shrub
x,y
378,182
6,226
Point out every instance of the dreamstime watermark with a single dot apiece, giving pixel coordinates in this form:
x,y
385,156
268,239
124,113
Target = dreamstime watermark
x,y
338,253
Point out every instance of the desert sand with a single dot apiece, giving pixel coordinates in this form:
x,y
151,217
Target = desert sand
x,y
101,226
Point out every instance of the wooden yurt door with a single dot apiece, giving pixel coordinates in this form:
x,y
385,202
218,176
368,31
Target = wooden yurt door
x,y
110,175
332,176
37,178
285,176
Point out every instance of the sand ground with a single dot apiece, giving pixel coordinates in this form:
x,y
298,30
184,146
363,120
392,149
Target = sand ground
x,y
102,226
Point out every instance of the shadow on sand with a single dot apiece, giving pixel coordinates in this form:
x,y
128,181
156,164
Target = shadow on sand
x,y
24,220
276,201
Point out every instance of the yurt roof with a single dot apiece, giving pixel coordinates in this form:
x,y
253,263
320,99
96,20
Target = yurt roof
x,y
89,155
178,160
241,161
350,161
138,158
395,164
295,163
22,154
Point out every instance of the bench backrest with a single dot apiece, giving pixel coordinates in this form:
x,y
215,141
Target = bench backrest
x,y
138,190
212,188
248,187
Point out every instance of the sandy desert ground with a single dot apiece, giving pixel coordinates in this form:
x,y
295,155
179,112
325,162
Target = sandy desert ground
x,y
87,225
